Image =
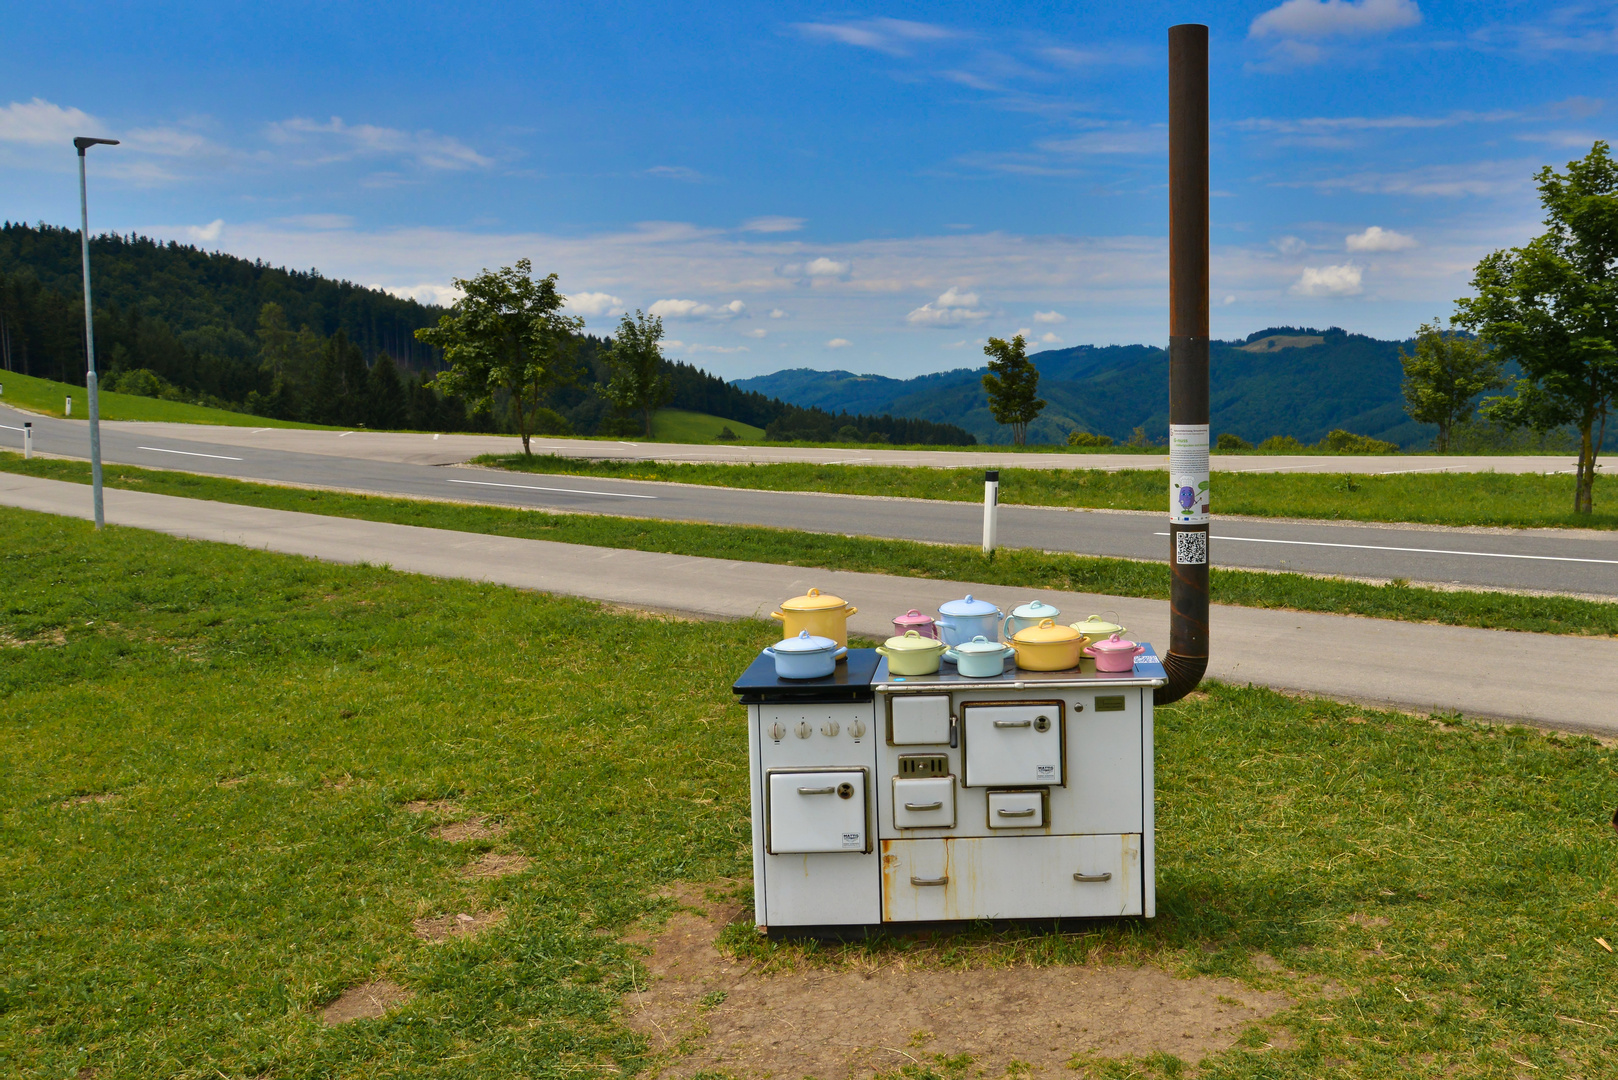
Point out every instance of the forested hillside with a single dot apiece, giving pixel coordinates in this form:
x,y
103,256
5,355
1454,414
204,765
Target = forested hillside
x,y
177,322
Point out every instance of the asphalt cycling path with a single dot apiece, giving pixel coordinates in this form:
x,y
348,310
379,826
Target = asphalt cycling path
x,y
1567,561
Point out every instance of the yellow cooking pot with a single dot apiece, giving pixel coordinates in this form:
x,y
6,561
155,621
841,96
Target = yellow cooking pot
x,y
822,616
1048,647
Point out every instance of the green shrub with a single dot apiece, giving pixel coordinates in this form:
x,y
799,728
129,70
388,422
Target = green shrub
x,y
139,381
1281,444
1085,438
1227,441
726,435
1346,442
551,422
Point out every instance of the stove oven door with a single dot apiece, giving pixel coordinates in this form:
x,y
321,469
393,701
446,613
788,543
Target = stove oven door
x,y
811,811
1014,744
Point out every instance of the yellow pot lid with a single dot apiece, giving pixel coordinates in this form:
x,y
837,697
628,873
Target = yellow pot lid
x,y
1046,632
814,600
911,641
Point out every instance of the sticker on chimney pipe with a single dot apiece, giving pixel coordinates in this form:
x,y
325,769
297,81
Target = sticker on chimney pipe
x,y
1188,474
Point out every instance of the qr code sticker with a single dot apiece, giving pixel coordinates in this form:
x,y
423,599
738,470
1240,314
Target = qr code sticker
x,y
1191,548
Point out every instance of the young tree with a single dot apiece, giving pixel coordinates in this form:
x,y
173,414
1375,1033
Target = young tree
x,y
1012,382
386,395
638,383
506,333
1552,305
1446,372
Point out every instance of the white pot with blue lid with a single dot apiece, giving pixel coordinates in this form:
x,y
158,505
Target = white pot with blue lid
x,y
979,658
1030,614
805,656
963,620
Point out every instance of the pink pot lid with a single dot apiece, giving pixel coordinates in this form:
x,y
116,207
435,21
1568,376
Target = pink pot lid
x,y
1112,644
913,618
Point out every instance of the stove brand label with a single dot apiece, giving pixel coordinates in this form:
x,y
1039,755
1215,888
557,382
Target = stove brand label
x,y
1047,771
853,839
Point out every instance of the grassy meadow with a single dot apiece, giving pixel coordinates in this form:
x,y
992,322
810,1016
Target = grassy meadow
x,y
680,425
48,397
211,753
1009,567
1457,499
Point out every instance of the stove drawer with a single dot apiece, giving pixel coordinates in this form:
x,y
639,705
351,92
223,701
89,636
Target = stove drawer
x,y
927,803
816,810
1011,877
1017,744
1029,809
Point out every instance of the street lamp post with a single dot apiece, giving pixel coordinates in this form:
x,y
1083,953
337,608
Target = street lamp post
x,y
82,144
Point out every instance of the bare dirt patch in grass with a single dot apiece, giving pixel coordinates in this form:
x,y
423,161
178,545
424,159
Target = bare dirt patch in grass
x,y
435,806
460,924
706,1012
365,1002
473,828
494,865
1370,921
102,797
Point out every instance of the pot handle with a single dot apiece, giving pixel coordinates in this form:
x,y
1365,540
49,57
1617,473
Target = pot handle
x,y
1138,650
778,615
843,651
949,654
769,652
1004,623
1087,651
881,650
851,609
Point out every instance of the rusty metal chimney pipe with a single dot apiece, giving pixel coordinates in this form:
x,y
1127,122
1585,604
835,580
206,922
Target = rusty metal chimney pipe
x,y
1187,658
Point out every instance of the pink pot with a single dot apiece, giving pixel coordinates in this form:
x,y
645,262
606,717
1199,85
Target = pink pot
x,y
915,620
1115,654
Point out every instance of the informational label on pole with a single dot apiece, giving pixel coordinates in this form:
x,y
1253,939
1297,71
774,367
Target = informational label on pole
x,y
1188,474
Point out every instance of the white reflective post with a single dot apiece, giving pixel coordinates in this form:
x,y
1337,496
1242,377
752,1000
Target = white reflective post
x,y
991,508
27,440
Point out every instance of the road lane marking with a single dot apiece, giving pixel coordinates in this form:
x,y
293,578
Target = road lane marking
x,y
565,491
187,453
1422,551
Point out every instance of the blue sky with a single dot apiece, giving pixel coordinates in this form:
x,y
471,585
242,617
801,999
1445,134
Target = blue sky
x,y
868,187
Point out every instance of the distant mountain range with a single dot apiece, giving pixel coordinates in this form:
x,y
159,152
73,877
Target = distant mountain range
x,y
1281,381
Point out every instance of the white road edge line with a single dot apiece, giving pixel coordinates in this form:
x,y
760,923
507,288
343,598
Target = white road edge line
x,y
565,491
1422,551
187,453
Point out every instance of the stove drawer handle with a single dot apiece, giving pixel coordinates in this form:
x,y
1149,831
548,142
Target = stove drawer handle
x,y
921,881
1013,723
817,791
939,805
1082,876
1030,812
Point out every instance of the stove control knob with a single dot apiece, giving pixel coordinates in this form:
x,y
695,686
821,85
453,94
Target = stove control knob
x,y
777,731
829,728
857,729
803,729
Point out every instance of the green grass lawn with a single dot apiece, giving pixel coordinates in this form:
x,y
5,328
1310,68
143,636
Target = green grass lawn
x,y
1009,567
48,397
678,425
1456,499
208,752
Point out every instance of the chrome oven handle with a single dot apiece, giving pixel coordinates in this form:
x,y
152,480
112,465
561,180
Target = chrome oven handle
x,y
939,805
817,791
1013,723
1030,812
1082,876
920,881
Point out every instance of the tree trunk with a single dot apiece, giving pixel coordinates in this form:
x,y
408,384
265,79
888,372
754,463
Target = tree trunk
x,y
1583,491
648,412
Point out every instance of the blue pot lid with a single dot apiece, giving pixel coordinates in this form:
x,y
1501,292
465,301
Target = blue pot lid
x,y
1036,609
805,642
968,606
980,645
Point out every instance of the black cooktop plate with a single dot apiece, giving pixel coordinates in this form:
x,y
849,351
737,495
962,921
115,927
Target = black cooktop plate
x,y
850,682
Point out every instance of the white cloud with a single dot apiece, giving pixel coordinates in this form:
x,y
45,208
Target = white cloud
x,y
1054,318
442,295
1290,245
758,332
772,224
722,350
693,309
319,221
1117,140
824,267
891,36
1049,338
838,343
952,308
594,303
426,148
207,234
1335,18
1477,178
1329,281
675,172
777,313
1229,300
42,123
1376,238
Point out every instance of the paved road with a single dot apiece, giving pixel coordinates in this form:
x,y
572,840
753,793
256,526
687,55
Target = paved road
x,y
1545,679
1569,561
450,449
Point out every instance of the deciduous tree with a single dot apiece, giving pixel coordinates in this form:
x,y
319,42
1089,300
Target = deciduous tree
x,y
1012,382
1444,376
639,382
507,333
1552,306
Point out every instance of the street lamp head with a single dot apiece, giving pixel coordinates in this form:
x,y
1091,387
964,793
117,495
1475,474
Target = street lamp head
x,y
83,143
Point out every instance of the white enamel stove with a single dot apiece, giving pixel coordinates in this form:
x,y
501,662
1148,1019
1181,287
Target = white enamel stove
x,y
932,799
